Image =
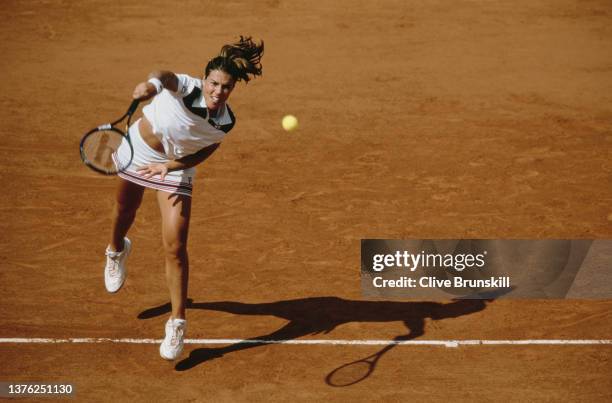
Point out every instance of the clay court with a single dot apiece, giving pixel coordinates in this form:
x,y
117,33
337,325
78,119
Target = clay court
x,y
418,119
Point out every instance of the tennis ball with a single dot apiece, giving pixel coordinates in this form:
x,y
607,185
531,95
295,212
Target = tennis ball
x,y
289,123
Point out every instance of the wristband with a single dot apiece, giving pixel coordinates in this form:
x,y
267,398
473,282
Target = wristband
x,y
157,83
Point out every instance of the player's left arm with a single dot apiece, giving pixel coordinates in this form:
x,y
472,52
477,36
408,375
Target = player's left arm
x,y
185,162
192,160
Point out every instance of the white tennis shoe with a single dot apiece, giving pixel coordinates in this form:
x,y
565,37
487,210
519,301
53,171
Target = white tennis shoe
x,y
172,346
115,271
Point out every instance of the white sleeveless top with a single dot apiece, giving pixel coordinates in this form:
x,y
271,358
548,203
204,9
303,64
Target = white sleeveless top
x,y
181,120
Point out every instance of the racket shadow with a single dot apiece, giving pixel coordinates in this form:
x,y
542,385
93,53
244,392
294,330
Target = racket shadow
x,y
356,371
310,316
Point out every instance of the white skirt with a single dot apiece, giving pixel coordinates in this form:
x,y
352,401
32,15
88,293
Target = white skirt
x,y
179,182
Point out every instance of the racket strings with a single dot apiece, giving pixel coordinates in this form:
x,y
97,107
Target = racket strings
x,y
100,150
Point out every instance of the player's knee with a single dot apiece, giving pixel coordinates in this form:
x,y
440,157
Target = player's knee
x,y
126,209
175,249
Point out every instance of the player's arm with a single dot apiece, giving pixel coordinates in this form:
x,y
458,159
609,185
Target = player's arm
x,y
157,81
168,79
182,163
192,160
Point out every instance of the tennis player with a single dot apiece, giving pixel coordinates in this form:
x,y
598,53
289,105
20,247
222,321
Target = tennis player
x,y
182,126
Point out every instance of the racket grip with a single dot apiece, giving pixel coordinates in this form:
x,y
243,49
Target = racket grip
x,y
133,106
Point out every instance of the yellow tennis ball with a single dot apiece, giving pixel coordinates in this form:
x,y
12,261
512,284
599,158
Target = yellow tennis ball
x,y
289,123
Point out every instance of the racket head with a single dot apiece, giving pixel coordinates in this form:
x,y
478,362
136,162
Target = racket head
x,y
99,149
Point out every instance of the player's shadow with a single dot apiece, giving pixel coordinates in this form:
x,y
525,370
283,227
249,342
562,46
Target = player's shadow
x,y
310,316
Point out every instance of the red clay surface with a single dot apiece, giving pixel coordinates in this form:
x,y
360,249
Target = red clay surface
x,y
418,119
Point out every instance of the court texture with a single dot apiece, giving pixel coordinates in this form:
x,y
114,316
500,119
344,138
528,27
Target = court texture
x,y
418,119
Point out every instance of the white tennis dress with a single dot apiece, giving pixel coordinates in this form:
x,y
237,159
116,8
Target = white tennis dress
x,y
180,119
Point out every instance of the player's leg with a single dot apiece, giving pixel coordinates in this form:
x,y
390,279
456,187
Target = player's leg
x,y
129,196
175,211
127,202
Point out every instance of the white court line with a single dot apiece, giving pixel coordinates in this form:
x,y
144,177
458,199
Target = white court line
x,y
445,343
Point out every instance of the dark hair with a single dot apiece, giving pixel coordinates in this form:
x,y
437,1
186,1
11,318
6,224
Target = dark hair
x,y
239,59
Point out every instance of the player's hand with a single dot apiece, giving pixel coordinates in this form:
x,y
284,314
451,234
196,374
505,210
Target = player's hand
x,y
144,91
154,169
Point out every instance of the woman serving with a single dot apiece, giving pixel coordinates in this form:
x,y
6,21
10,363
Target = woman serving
x,y
182,126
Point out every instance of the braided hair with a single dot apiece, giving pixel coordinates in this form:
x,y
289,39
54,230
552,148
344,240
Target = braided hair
x,y
241,60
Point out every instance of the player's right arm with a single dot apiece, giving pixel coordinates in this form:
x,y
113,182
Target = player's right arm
x,y
148,89
168,79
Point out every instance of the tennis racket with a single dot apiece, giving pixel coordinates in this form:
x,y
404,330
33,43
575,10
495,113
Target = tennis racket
x,y
99,146
356,371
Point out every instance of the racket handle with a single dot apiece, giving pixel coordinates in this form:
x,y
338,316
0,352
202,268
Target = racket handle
x,y
133,106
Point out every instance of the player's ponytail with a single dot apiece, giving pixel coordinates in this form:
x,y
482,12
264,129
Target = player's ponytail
x,y
241,60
